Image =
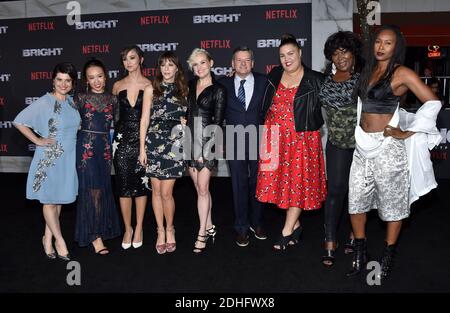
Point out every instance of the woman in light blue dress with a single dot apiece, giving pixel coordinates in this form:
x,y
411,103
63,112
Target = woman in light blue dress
x,y
52,177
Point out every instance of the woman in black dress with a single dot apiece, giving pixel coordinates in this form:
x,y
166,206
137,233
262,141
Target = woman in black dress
x,y
160,144
131,179
207,101
97,218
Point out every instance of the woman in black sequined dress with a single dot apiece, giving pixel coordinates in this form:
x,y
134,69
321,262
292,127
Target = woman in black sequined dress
x,y
131,179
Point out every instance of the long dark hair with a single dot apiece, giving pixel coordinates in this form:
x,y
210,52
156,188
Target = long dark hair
x,y
180,80
124,52
371,62
91,63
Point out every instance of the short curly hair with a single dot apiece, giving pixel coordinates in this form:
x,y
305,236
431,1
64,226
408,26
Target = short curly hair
x,y
345,40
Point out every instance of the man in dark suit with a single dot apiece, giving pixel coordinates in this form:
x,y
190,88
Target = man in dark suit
x,y
245,91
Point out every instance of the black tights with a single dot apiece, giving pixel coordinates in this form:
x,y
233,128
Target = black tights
x,y
338,170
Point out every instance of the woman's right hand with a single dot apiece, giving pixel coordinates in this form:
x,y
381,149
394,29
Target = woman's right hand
x,y
45,142
143,158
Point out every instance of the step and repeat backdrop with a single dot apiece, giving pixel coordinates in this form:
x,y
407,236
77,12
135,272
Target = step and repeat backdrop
x,y
29,49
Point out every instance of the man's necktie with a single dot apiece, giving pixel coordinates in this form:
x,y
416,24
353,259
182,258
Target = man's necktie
x,y
241,93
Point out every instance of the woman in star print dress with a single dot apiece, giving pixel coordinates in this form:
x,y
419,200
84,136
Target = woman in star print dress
x,y
163,113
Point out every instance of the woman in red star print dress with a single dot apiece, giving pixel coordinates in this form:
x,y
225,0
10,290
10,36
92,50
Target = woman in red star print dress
x,y
291,171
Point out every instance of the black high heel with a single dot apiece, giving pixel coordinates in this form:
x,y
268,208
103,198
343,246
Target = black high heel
x,y
211,232
359,258
205,240
282,242
328,259
296,235
387,260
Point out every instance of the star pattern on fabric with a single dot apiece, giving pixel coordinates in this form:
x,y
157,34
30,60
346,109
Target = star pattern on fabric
x,y
114,146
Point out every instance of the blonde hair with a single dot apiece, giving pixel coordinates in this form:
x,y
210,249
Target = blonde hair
x,y
194,53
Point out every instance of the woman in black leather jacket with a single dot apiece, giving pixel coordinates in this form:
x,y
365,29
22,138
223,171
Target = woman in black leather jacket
x,y
206,100
291,170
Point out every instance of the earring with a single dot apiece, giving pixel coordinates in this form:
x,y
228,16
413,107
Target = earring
x,y
87,87
333,68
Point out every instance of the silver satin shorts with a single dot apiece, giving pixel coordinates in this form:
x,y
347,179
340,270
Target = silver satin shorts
x,y
381,182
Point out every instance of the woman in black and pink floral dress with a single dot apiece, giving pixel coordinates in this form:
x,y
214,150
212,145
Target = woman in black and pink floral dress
x,y
97,216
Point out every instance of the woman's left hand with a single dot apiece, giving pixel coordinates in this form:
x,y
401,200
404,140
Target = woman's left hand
x,y
396,132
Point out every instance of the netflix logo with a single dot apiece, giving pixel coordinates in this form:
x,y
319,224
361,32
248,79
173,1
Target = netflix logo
x,y
3,147
41,26
269,67
216,44
149,71
41,75
154,19
88,49
3,29
281,14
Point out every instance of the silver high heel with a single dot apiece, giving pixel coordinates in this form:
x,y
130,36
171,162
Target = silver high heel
x,y
51,255
211,232
62,257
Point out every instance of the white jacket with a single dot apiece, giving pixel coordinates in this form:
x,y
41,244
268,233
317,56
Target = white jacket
x,y
426,137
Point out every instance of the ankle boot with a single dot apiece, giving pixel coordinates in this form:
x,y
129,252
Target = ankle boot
x,y
359,258
387,260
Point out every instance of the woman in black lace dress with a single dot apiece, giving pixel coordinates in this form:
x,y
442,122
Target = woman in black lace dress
x,y
160,144
207,101
97,217
130,174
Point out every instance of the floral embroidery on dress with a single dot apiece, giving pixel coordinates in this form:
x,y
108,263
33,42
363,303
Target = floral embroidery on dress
x,y
94,107
51,153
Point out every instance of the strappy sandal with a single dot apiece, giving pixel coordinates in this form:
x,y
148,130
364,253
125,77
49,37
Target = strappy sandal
x,y
282,243
328,259
349,247
202,239
296,234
